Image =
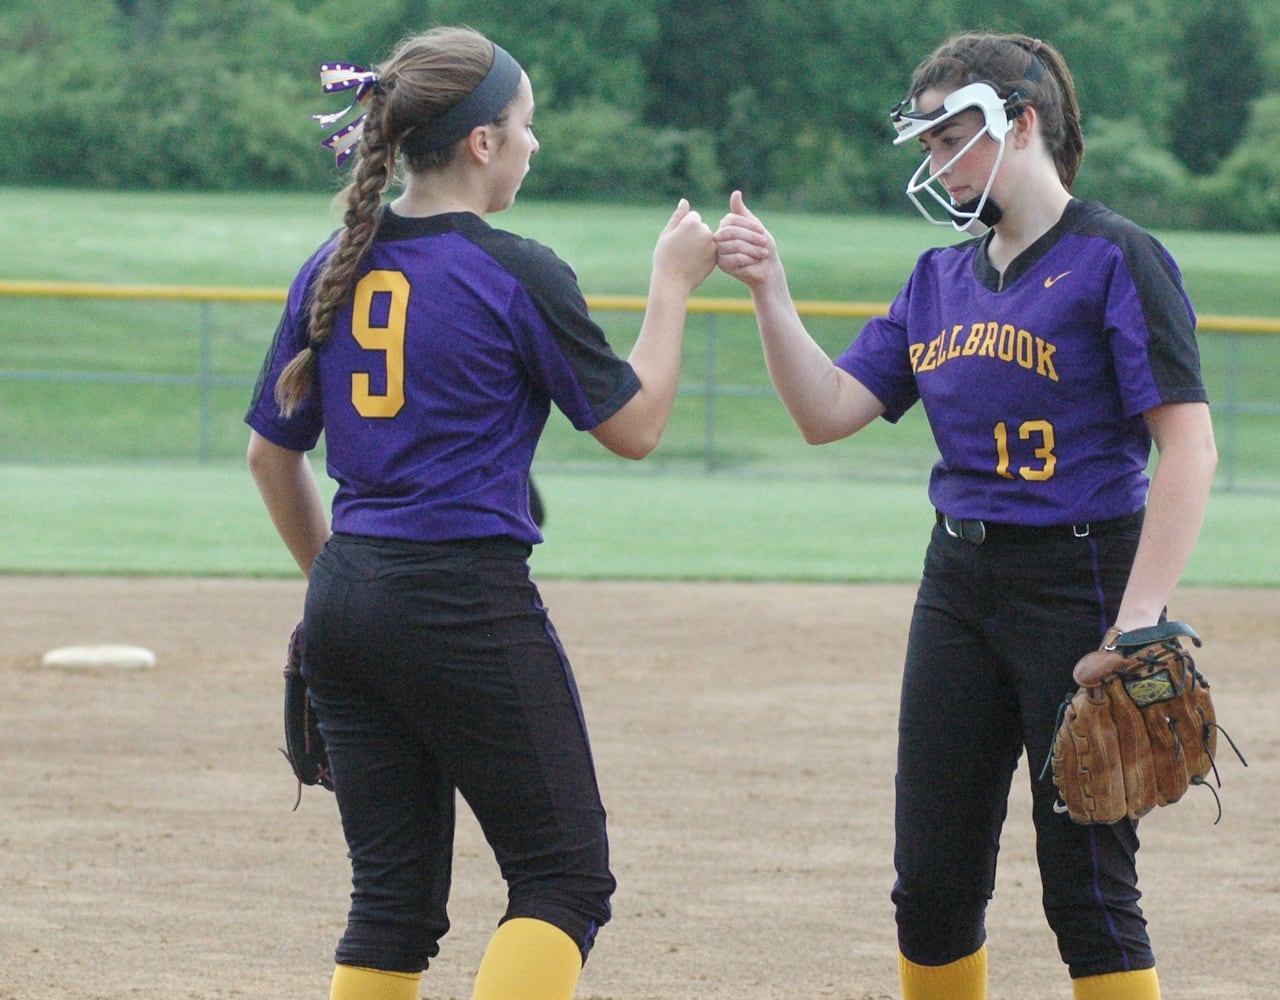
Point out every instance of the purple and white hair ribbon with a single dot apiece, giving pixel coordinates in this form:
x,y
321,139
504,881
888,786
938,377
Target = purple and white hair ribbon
x,y
345,76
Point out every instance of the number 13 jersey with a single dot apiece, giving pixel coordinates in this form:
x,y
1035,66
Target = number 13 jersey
x,y
1035,384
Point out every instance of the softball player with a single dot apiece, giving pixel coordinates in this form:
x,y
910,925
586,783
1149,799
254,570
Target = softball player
x,y
1048,352
428,348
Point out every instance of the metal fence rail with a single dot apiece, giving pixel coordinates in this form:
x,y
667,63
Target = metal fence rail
x,y
1231,403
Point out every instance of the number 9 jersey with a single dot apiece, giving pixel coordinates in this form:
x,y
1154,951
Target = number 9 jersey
x,y
1035,382
438,378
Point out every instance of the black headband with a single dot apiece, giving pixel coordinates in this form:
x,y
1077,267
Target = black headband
x,y
479,107
1035,70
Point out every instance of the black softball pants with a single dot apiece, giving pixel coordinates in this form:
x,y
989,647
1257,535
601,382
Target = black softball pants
x,y
996,630
435,668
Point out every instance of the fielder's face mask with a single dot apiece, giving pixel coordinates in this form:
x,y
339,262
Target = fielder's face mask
x,y
997,114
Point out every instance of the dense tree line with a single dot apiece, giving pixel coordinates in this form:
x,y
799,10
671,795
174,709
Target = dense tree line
x,y
644,100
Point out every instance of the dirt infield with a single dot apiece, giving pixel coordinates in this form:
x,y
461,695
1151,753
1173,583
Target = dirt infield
x,y
744,736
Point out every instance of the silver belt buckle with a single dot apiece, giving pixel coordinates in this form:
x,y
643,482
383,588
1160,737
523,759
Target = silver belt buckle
x,y
973,532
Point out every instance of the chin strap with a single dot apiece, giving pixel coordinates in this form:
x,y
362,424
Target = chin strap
x,y
991,212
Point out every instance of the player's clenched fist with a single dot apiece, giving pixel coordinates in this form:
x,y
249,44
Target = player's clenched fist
x,y
686,248
744,247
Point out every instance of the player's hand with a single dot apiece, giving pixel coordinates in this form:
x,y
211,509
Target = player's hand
x,y
686,249
1094,668
744,247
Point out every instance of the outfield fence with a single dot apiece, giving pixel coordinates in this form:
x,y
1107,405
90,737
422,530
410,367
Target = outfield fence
x,y
144,372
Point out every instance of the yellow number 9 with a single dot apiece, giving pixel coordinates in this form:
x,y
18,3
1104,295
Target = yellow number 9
x,y
388,339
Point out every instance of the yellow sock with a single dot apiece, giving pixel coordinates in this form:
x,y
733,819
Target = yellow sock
x,y
350,982
1140,985
963,979
528,959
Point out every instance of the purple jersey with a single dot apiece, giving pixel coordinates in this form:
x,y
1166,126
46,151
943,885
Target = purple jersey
x,y
437,381
1035,391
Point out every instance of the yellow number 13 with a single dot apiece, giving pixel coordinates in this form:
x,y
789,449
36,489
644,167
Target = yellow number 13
x,y
388,339
1044,430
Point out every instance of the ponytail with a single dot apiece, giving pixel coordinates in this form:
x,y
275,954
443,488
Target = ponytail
x,y
1061,117
426,76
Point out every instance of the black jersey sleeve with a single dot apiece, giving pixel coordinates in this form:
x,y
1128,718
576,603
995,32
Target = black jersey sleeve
x,y
607,380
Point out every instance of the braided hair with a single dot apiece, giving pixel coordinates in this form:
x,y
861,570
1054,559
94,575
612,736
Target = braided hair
x,y
426,75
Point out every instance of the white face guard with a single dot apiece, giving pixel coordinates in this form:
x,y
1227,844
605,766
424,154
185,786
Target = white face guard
x,y
997,116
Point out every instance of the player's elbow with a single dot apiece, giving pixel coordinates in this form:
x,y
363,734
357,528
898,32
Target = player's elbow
x,y
634,431
1209,449
815,429
817,435
633,446
1183,434
1210,459
637,453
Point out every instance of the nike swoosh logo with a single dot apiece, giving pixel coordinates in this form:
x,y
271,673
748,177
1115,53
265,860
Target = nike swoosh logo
x,y
1050,282
1059,807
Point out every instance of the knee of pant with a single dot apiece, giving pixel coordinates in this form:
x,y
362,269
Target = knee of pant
x,y
579,915
1095,941
405,945
1098,930
939,926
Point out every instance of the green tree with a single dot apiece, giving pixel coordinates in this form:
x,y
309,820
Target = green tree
x,y
1245,193
635,100
574,50
142,20
1219,65
787,89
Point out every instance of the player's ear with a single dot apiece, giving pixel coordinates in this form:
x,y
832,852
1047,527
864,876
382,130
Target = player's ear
x,y
1025,126
481,143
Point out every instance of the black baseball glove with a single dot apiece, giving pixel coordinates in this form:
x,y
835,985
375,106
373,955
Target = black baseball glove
x,y
304,747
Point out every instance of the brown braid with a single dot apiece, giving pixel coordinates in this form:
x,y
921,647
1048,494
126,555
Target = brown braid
x,y
425,76
338,276
1005,62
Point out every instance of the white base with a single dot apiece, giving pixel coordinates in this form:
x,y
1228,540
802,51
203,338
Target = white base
x,y
117,657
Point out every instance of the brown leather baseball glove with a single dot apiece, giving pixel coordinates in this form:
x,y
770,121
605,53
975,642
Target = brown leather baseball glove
x,y
304,747
1139,731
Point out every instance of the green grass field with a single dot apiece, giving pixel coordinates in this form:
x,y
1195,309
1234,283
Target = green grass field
x,y
205,519
102,474
259,240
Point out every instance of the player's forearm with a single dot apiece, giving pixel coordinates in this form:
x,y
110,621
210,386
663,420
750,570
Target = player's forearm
x,y
292,497
636,429
657,353
802,374
1176,505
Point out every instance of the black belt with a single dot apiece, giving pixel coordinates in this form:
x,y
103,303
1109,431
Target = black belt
x,y
976,532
